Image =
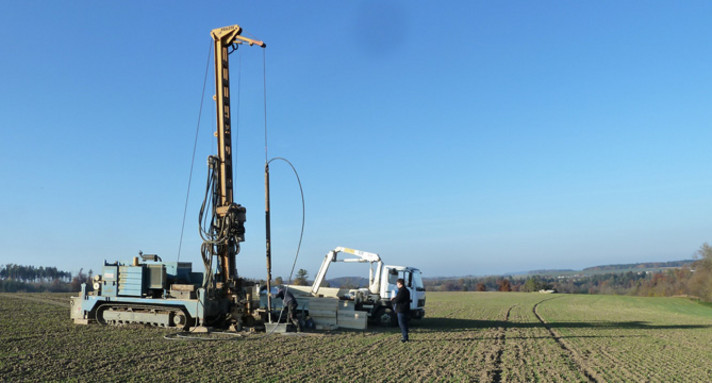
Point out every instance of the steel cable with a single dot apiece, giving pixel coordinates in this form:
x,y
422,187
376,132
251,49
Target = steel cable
x,y
195,145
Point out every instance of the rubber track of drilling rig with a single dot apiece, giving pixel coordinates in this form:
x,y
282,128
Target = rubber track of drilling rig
x,y
143,309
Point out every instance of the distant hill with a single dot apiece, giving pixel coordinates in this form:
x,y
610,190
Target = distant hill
x,y
550,272
622,268
594,270
350,282
638,266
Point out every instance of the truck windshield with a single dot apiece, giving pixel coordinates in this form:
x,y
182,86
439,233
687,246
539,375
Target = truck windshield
x,y
418,281
393,276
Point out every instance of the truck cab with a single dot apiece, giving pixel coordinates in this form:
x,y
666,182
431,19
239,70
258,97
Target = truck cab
x,y
413,282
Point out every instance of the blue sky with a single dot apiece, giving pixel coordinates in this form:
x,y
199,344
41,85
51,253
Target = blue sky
x,y
464,138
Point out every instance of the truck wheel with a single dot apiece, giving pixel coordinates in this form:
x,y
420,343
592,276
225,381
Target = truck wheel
x,y
386,317
417,314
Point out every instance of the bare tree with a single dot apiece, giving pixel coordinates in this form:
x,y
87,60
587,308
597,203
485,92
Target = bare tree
x,y
301,279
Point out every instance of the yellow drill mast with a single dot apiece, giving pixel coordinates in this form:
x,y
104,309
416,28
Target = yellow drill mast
x,y
230,217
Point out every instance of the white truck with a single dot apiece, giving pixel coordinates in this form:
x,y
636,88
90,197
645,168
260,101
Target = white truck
x,y
375,299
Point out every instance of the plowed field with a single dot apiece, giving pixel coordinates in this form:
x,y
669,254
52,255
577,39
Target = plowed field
x,y
470,337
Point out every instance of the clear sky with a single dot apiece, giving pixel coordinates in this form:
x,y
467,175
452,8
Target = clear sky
x,y
463,138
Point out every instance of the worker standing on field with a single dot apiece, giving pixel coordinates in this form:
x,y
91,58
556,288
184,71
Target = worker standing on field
x,y
402,306
290,303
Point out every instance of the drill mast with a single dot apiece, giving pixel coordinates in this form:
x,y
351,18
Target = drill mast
x,y
230,217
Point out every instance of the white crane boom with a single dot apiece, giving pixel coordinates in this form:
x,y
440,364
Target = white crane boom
x,y
361,257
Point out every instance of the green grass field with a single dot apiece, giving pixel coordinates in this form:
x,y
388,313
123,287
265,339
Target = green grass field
x,y
471,337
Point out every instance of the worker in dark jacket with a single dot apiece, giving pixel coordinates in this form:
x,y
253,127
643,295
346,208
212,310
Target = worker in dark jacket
x,y
402,305
290,303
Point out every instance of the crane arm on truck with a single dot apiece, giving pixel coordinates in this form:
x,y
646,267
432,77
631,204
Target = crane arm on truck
x,y
360,257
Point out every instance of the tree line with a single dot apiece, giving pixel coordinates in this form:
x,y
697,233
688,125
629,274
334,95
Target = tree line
x,y
33,274
694,281
14,278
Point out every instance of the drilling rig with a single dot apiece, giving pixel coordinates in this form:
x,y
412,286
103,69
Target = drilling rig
x,y
170,294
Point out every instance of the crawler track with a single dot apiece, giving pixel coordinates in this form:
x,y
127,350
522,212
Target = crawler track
x,y
570,352
154,314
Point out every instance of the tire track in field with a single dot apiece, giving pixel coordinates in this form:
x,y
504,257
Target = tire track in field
x,y
502,339
570,351
33,299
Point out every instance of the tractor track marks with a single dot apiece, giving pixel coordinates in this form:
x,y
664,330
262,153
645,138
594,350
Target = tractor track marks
x,y
501,340
571,353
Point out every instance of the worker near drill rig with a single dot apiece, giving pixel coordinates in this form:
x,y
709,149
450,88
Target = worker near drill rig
x,y
290,303
402,306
